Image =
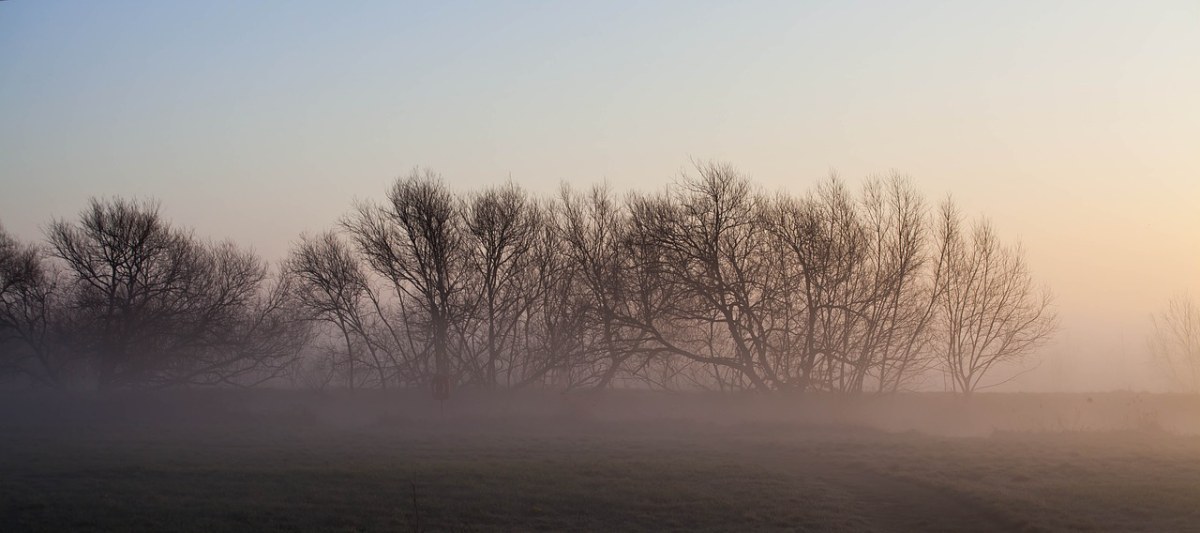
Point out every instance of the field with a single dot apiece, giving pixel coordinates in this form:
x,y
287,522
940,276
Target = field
x,y
290,461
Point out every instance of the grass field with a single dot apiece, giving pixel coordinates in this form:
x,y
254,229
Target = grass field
x,y
219,461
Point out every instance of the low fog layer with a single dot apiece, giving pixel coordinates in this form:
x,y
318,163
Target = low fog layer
x,y
936,414
253,460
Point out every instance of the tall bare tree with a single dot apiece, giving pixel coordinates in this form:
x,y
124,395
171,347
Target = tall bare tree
x,y
827,249
417,242
331,284
557,343
1175,342
130,271
594,226
503,224
709,241
29,314
990,311
153,305
902,303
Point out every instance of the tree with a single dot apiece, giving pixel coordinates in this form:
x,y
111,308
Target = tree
x,y
826,246
593,227
902,303
1175,342
708,241
556,340
707,283
416,241
990,312
331,285
246,333
28,314
150,304
502,225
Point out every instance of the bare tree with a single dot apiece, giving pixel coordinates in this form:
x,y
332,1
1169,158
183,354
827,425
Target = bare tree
x,y
827,250
152,305
503,224
708,240
417,242
593,226
557,343
708,283
28,314
1175,342
990,312
128,268
331,284
902,303
245,330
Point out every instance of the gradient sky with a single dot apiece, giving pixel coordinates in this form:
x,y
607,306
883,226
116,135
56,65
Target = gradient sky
x,y
1075,126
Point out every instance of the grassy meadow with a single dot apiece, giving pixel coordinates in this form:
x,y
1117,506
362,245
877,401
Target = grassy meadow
x,y
396,461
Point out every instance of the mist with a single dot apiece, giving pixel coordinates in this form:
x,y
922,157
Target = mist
x,y
709,355
654,266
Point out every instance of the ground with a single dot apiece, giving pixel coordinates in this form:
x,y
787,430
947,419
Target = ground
x,y
146,463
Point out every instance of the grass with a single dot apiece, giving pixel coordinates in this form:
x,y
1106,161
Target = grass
x,y
224,465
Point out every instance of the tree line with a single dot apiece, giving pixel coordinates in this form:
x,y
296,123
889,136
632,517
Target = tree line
x,y
709,283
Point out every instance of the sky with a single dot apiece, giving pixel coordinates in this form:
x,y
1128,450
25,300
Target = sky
x,y
1073,126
